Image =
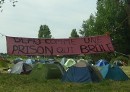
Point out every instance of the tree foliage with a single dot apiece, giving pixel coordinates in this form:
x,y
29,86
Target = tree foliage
x,y
44,32
3,1
112,18
74,34
87,30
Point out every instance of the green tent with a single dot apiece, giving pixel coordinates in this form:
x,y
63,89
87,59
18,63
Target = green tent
x,y
69,63
42,72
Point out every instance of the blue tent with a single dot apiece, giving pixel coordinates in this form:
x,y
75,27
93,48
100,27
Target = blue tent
x,y
102,62
113,72
82,74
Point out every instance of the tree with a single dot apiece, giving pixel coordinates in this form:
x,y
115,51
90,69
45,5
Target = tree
x,y
111,17
128,10
88,26
44,32
74,34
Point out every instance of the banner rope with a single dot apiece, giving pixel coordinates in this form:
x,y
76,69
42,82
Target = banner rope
x,y
2,34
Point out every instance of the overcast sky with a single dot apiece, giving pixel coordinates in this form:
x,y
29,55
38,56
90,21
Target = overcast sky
x,y
61,16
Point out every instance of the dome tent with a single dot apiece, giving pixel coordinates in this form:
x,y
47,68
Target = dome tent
x,y
21,68
102,62
82,72
69,63
118,63
42,72
113,72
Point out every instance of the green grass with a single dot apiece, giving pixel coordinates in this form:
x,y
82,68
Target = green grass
x,y
126,69
22,83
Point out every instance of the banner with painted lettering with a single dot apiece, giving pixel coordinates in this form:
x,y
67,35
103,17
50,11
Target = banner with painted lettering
x,y
72,46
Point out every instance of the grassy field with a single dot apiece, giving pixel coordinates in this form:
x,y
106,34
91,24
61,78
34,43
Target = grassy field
x,y
22,83
126,69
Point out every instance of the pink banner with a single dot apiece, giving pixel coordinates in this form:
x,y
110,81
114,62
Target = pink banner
x,y
34,46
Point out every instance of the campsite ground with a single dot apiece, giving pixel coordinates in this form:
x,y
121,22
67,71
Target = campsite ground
x,y
126,69
22,83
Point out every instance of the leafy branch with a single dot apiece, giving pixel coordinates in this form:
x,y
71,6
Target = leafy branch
x,y
4,1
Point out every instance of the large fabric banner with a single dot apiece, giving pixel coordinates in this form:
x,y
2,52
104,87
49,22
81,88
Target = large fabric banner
x,y
72,46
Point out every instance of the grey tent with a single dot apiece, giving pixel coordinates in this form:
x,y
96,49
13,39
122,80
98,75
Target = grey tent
x,y
20,68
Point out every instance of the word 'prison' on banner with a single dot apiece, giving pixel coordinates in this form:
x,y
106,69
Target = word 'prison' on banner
x,y
72,46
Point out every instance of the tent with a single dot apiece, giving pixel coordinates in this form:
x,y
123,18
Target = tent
x,y
82,72
21,68
50,61
69,63
118,62
113,72
29,61
63,60
102,62
17,60
43,72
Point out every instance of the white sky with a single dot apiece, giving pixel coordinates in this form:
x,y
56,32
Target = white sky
x,y
61,16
